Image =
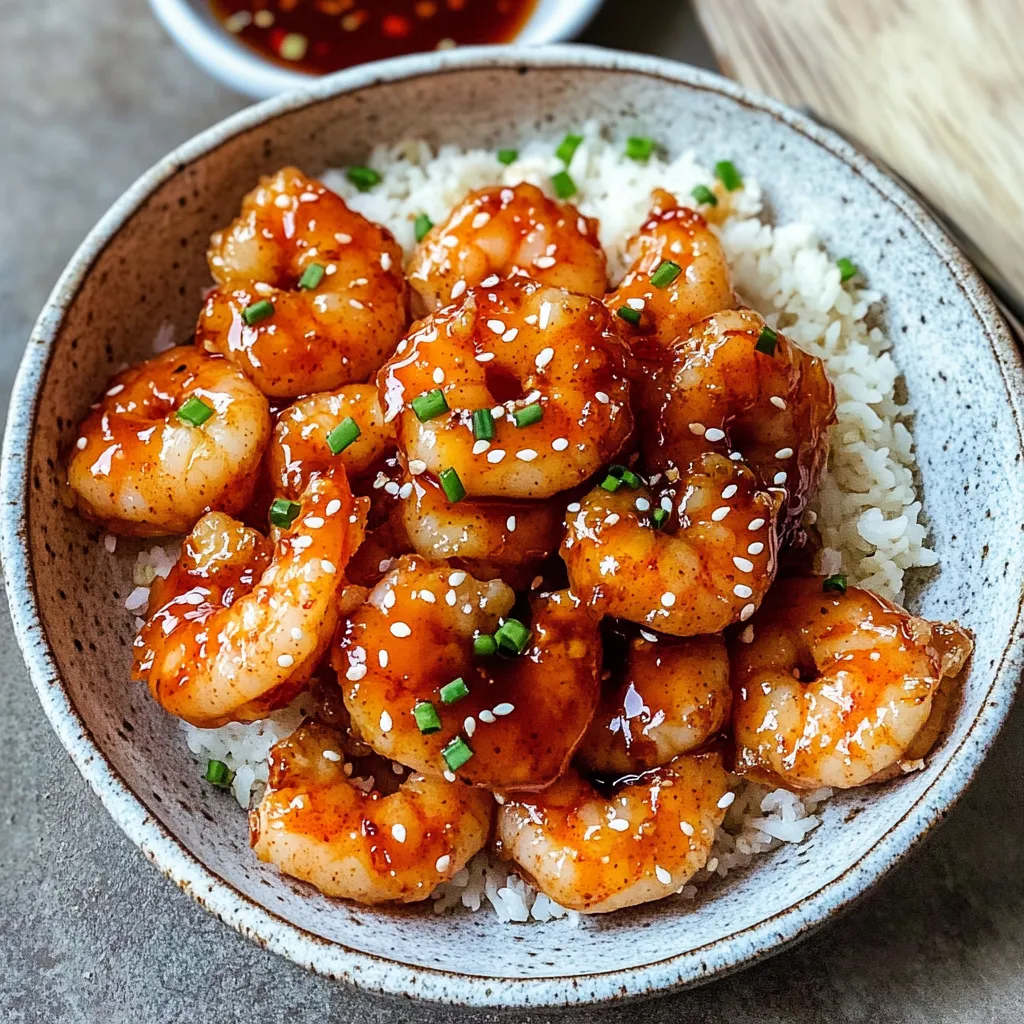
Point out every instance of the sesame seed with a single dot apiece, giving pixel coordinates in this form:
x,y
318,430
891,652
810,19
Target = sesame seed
x,y
726,800
497,326
405,490
784,453
389,599
756,548
666,503
355,672
417,466
467,609
511,334
449,776
714,434
438,375
755,524
450,599
747,611
712,864
296,633
729,491
780,478
642,504
698,429
313,522
545,357
496,455
333,507
686,828
428,596
115,390
573,506
480,219
618,824
81,443
469,725
511,523
747,636
544,262
398,832
636,303
385,722
285,660
457,578
382,658
612,519
668,599
720,513
480,446
662,875
442,863
779,403
485,357
400,629
391,488
486,716
742,590
490,282
560,444
526,455
743,564
331,755
649,637
458,288
504,709
602,397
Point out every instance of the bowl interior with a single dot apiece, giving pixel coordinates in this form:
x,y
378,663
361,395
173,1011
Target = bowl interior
x,y
153,270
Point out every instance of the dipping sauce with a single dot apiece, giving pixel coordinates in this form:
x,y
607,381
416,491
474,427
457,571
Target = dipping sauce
x,y
319,36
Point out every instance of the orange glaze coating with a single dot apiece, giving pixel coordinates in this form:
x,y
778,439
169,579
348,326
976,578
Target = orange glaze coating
x,y
317,338
314,823
595,853
720,394
667,697
709,565
704,286
238,628
504,348
831,689
138,468
523,716
507,231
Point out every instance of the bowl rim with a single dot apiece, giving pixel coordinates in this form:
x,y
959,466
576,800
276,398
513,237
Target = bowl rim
x,y
369,971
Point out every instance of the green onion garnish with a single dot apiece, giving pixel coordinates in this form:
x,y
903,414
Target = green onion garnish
x,y
611,483
293,46
455,690
726,173
626,475
847,269
530,414
343,435
483,425
456,753
563,185
452,485
421,226
665,273
311,276
507,156
766,341
836,582
427,719
631,316
704,195
258,311
485,645
429,404
195,411
567,147
512,635
219,774
283,512
364,178
660,517
639,148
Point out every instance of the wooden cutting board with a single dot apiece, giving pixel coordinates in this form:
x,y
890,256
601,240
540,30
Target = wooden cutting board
x,y
935,87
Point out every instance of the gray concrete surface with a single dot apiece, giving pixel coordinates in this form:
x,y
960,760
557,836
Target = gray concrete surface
x,y
90,94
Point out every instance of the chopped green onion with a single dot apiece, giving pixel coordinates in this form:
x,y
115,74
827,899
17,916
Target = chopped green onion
x,y
456,753
452,485
293,46
567,147
364,178
483,425
626,475
639,148
343,435
258,311
455,690
311,276
631,316
704,195
766,341
513,635
563,185
847,269
283,512
219,774
611,483
726,173
507,156
427,719
665,273
195,411
421,226
836,582
485,645
429,405
530,414
660,517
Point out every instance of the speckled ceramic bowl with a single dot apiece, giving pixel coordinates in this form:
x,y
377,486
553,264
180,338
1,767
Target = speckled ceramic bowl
x,y
144,263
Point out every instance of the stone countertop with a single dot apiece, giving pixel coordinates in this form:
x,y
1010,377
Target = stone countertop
x,y
92,93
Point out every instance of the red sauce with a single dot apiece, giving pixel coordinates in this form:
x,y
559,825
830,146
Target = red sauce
x,y
319,36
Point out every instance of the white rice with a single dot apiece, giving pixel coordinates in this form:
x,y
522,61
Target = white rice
x,y
867,508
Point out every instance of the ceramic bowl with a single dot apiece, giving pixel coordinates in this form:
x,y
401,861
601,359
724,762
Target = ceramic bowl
x,y
193,26
144,264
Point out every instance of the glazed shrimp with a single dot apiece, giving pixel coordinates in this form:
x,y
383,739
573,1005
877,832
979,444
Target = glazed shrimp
x,y
300,445
668,698
323,287
489,537
831,689
170,439
316,824
238,626
505,232
721,393
703,286
707,564
522,716
504,349
595,853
